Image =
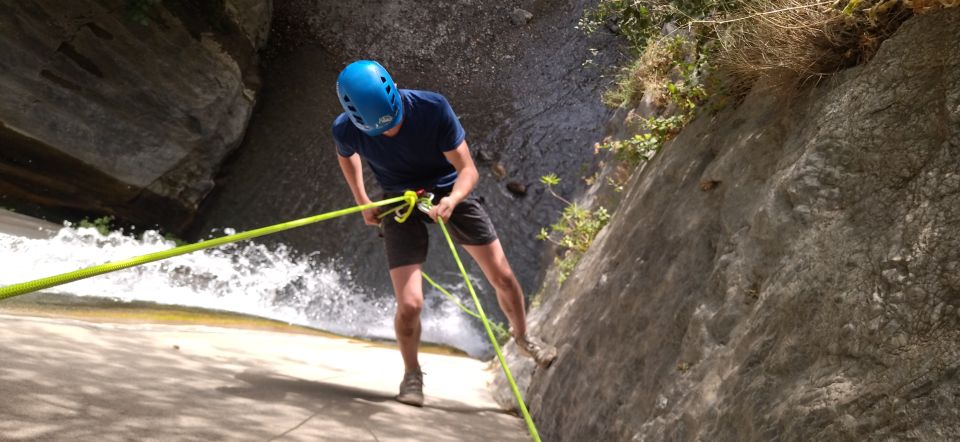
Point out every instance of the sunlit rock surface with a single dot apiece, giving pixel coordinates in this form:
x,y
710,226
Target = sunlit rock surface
x,y
811,295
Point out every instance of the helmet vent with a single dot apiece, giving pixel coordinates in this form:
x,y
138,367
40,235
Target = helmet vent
x,y
383,79
393,99
346,98
388,88
352,109
359,118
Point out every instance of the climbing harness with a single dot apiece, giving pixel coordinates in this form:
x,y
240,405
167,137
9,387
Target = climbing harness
x,y
410,199
424,203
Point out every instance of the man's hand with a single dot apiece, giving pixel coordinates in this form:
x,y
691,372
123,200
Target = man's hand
x,y
370,216
443,209
467,176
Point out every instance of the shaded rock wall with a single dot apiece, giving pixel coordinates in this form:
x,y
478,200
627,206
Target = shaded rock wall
x,y
814,294
121,107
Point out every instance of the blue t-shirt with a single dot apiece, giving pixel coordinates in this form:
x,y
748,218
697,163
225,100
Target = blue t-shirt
x,y
413,158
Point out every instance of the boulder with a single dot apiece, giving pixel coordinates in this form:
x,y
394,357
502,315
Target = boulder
x,y
517,188
125,108
520,16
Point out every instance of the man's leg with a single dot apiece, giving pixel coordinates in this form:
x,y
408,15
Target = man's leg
x,y
408,287
495,267
406,246
406,323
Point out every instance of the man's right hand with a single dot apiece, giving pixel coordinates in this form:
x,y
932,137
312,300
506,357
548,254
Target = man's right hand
x,y
370,216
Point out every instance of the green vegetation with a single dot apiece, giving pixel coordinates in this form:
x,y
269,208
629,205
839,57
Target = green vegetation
x,y
574,231
665,67
686,52
643,146
641,21
176,239
687,49
668,72
104,224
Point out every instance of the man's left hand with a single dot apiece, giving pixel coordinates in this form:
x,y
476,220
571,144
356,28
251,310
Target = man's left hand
x,y
443,209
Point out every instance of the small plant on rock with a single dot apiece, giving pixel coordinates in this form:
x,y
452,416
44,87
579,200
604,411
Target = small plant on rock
x,y
643,146
574,231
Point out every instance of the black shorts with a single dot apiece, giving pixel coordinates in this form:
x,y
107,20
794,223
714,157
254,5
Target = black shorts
x,y
407,242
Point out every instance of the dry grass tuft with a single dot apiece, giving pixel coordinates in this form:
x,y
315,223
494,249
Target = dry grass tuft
x,y
778,40
791,42
736,43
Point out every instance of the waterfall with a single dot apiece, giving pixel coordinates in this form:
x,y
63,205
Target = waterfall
x,y
252,278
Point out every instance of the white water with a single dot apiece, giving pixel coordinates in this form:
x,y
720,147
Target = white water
x,y
246,278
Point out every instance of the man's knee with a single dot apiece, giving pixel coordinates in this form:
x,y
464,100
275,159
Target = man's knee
x,y
408,309
504,280
408,317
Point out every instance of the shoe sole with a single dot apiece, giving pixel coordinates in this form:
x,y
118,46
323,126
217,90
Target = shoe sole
x,y
548,362
416,402
552,356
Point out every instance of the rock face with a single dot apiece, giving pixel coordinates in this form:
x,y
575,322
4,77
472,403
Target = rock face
x,y
813,295
124,107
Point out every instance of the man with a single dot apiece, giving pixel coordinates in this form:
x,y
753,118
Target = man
x,y
412,140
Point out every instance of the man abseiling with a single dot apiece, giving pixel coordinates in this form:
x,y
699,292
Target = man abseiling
x,y
412,140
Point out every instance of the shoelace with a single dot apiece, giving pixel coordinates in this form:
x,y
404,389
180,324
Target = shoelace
x,y
409,378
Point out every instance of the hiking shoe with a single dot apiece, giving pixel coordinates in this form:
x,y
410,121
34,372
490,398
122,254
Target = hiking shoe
x,y
533,347
411,389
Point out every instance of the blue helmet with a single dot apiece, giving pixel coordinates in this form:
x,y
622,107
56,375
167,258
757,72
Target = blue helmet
x,y
370,97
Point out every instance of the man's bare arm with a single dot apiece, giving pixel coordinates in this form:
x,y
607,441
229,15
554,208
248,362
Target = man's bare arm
x,y
353,173
467,177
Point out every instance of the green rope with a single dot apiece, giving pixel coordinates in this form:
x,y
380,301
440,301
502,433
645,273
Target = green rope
x,y
499,328
52,281
425,205
401,218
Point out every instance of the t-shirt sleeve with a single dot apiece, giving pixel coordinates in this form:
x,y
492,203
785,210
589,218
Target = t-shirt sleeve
x,y
451,132
343,148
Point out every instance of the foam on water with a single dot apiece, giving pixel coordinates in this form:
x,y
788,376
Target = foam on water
x,y
247,277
